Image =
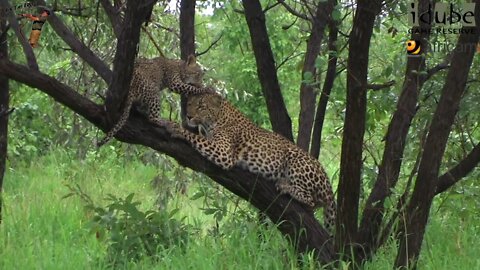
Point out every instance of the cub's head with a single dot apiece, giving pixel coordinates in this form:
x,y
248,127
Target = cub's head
x,y
203,111
192,73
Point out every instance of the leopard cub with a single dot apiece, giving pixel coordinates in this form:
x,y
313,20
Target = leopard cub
x,y
150,76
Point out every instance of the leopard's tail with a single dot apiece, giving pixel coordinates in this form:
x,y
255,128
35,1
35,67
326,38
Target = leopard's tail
x,y
121,122
330,215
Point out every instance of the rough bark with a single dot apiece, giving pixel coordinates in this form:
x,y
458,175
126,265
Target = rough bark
x,y
4,108
395,139
307,90
417,211
326,90
292,218
267,74
354,126
187,41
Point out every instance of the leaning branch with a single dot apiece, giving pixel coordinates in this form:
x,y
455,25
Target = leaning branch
x,y
455,174
293,11
77,46
211,45
380,86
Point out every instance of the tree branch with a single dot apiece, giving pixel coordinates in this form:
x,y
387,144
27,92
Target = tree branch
x,y
60,92
77,46
293,11
307,91
455,174
434,70
326,90
281,122
159,50
270,7
380,86
114,16
6,112
211,45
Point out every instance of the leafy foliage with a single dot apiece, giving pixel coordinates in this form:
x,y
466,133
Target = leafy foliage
x,y
130,232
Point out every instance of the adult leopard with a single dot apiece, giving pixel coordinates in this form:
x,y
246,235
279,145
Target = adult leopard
x,y
228,138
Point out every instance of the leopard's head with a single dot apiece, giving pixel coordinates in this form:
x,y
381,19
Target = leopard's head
x,y
192,73
203,111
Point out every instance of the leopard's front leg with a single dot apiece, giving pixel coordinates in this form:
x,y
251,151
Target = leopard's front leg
x,y
179,87
218,148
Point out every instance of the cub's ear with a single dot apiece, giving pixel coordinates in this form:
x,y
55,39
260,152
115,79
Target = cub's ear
x,y
191,60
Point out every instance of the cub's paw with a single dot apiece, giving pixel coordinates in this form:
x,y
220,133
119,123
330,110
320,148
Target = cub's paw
x,y
160,122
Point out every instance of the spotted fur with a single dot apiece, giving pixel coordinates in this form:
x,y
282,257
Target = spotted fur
x,y
150,76
228,138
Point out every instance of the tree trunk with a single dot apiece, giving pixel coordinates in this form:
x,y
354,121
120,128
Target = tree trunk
x,y
307,90
187,41
417,211
4,109
326,90
281,122
354,126
135,14
396,137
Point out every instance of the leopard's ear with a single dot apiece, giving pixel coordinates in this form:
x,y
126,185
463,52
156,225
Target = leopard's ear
x,y
217,100
191,60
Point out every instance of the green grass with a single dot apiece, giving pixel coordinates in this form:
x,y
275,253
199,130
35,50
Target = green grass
x,y
43,230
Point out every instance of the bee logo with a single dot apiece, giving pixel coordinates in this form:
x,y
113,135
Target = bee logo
x,y
37,25
413,47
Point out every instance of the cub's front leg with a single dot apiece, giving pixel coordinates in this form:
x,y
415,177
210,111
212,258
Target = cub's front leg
x,y
218,148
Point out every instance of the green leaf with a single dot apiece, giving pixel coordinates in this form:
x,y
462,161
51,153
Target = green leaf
x,y
388,71
197,196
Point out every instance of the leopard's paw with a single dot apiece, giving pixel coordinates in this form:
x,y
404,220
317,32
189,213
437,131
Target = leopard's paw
x,y
175,130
